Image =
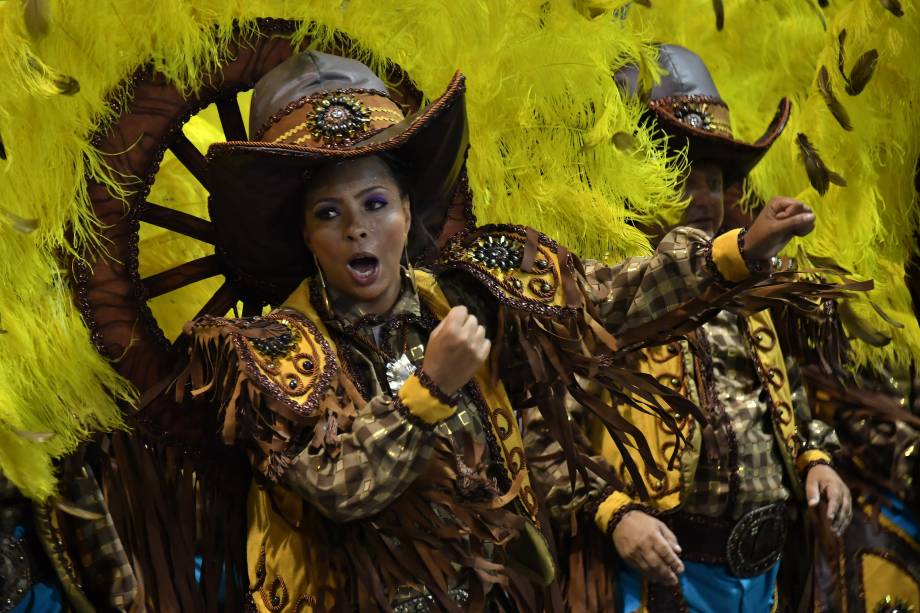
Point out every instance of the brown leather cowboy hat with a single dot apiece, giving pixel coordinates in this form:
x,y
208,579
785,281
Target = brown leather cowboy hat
x,y
687,106
312,109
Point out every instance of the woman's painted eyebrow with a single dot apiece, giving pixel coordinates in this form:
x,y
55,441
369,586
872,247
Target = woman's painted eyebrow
x,y
330,199
370,189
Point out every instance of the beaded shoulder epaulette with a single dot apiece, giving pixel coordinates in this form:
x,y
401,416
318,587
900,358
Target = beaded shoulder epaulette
x,y
520,266
283,353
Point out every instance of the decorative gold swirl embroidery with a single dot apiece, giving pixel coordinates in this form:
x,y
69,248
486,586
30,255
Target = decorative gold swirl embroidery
x,y
496,255
515,460
260,570
276,597
505,429
304,601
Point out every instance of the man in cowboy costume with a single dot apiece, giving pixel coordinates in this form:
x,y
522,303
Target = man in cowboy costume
x,y
710,534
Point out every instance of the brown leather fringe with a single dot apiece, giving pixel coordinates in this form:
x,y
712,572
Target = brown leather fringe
x,y
589,581
169,507
556,349
410,544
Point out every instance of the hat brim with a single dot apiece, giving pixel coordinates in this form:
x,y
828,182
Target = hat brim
x,y
255,187
736,157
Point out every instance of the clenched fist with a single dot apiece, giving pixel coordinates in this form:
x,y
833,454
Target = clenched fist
x,y
649,546
775,226
456,350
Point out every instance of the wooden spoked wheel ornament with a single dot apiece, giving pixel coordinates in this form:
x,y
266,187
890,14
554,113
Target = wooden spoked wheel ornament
x,y
114,296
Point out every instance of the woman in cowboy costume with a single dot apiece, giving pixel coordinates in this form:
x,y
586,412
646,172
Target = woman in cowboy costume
x,y
711,533
379,403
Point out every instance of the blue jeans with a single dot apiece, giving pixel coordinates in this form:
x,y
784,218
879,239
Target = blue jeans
x,y
902,517
707,588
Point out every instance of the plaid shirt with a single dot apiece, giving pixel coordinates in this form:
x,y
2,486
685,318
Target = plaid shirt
x,y
384,452
740,392
87,556
642,289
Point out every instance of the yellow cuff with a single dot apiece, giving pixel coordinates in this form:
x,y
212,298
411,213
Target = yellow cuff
x,y
607,509
422,404
812,455
727,257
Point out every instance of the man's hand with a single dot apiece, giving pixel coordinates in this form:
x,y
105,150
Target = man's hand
x,y
648,546
822,481
775,226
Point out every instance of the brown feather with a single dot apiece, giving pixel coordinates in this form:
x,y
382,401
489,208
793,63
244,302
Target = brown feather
x,y
855,326
917,176
835,178
885,316
624,141
837,109
20,224
35,437
824,262
2,150
814,166
37,14
862,72
72,509
719,8
893,7
67,86
841,55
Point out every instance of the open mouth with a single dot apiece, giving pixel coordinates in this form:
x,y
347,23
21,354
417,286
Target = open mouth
x,y
364,268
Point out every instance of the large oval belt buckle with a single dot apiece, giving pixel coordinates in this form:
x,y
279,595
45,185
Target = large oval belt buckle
x,y
756,542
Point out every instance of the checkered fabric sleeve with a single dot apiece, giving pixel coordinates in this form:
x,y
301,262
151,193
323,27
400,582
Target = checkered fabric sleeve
x,y
641,289
105,568
382,454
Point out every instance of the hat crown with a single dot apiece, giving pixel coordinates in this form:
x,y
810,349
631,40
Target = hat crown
x,y
686,76
304,75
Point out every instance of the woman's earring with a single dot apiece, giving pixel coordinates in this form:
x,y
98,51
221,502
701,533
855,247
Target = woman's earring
x,y
322,287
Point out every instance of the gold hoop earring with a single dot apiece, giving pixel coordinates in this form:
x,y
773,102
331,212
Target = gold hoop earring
x,y
322,286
